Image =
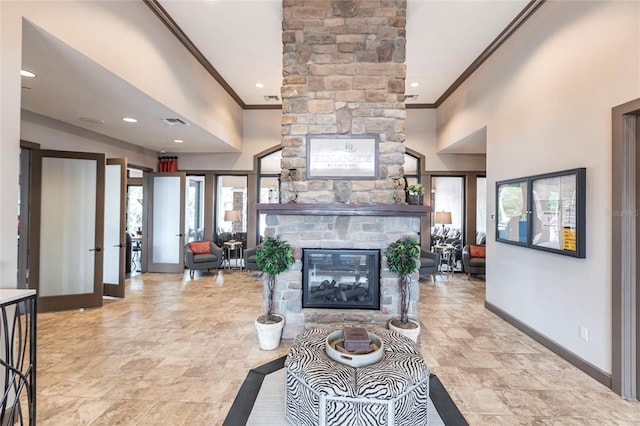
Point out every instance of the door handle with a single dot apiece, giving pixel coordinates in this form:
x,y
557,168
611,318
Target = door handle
x,y
179,235
119,245
97,249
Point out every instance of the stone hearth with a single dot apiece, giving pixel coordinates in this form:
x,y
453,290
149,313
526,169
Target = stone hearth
x,y
367,230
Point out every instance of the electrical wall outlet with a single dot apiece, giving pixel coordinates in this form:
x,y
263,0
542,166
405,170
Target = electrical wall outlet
x,y
584,333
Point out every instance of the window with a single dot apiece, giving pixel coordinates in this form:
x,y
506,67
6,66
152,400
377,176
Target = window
x,y
194,211
411,169
268,184
448,196
231,208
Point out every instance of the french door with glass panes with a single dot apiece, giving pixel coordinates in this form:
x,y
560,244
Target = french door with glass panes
x,y
66,235
164,238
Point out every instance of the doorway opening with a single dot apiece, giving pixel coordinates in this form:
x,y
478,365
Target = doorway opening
x,y
625,227
134,222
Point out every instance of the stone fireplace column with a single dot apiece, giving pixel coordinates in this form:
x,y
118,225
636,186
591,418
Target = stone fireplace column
x,y
343,77
344,74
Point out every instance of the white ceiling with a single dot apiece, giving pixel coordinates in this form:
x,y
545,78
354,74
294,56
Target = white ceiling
x,y
242,40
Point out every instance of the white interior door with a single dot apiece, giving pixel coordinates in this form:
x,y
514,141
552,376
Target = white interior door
x,y
165,210
68,211
115,244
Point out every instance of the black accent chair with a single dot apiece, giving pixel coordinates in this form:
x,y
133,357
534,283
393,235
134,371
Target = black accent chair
x,y
429,263
250,263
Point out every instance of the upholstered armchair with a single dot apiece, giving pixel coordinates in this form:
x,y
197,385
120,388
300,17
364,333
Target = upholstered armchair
x,y
199,255
473,260
250,262
429,263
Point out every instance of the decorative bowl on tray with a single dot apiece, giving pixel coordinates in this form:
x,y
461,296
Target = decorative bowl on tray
x,y
334,347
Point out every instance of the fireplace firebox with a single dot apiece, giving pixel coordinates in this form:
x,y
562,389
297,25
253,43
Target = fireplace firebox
x,y
341,278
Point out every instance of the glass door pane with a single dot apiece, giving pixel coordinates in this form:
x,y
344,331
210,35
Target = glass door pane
x,y
67,226
166,239
67,240
114,241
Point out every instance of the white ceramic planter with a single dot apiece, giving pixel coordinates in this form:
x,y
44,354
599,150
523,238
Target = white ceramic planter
x,y
411,333
269,334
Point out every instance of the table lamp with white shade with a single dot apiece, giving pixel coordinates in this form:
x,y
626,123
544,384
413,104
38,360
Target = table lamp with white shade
x,y
232,216
443,218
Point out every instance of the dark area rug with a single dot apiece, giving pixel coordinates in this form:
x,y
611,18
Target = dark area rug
x,y
244,402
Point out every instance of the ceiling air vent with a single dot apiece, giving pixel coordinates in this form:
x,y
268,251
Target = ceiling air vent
x,y
175,121
271,98
410,97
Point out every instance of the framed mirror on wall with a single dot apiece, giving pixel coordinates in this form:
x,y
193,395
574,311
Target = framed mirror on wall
x,y
544,212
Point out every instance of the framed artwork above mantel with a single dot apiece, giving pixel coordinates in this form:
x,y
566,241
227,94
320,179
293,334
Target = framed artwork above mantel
x,y
342,156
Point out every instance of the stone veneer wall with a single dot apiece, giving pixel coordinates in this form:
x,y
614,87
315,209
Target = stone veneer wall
x,y
330,232
344,74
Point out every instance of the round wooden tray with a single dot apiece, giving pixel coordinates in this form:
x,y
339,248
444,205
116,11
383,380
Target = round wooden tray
x,y
353,360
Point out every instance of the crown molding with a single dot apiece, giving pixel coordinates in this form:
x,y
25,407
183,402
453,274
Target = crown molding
x,y
168,21
510,29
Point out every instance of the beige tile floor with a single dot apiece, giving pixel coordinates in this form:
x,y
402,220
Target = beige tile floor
x,y
175,352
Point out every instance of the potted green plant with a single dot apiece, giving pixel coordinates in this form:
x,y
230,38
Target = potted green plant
x,y
273,257
402,258
415,194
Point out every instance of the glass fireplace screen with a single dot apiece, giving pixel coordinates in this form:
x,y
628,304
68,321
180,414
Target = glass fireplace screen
x,y
341,279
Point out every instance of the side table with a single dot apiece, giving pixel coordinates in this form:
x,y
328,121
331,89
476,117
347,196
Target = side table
x,y
235,248
447,257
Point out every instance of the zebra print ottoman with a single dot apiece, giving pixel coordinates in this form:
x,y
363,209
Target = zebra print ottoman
x,y
320,391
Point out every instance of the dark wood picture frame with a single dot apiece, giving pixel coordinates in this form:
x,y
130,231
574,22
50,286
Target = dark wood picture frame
x,y
544,212
342,156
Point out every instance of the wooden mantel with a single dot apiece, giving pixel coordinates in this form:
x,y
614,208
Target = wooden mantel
x,y
337,209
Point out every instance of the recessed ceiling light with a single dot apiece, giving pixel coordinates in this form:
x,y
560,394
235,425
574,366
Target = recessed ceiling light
x,y
259,85
415,84
26,73
178,140
130,120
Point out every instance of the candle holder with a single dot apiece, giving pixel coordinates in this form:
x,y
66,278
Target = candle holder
x,y
290,174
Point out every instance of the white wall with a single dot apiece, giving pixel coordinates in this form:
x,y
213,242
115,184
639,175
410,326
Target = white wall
x,y
10,51
546,99
127,39
421,137
133,45
261,130
53,134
